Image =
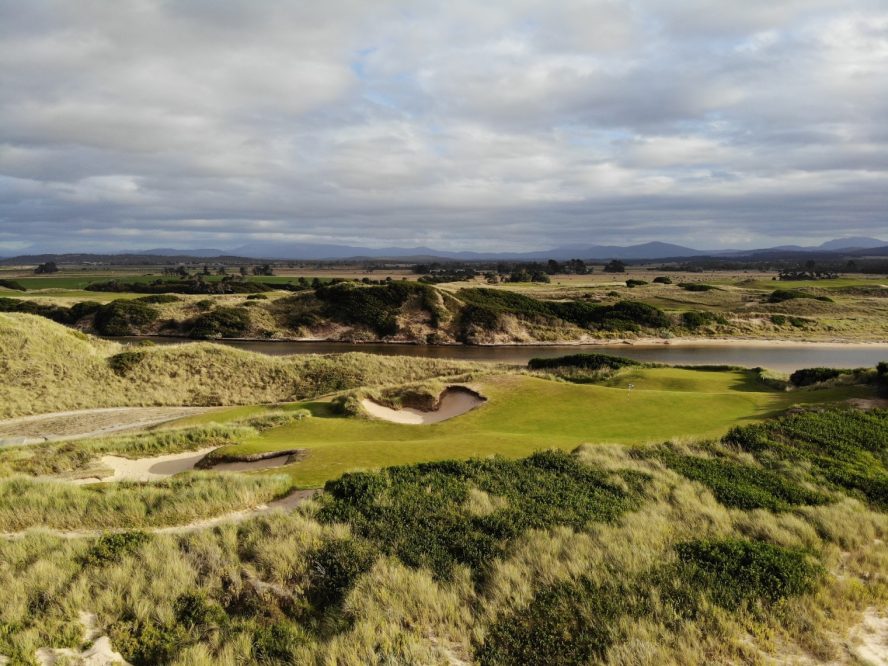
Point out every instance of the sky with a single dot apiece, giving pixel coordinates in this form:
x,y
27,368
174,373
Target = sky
x,y
460,125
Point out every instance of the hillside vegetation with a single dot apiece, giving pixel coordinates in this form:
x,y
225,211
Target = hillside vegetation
x,y
759,547
48,367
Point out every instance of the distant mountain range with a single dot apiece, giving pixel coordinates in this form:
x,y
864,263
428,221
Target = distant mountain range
x,y
644,252
650,251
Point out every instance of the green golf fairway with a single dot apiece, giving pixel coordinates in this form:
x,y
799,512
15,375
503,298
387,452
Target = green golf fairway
x,y
524,414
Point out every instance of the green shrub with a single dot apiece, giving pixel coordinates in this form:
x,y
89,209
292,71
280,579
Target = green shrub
x,y
416,512
845,448
257,297
159,299
809,376
278,642
635,283
220,323
111,548
697,286
124,318
375,307
334,567
778,320
569,623
736,571
124,362
12,284
694,319
781,295
741,486
585,361
663,279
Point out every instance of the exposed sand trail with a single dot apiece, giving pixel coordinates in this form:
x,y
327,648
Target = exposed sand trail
x,y
80,424
454,401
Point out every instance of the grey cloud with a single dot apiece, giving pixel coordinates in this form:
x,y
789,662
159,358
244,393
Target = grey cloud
x,y
502,125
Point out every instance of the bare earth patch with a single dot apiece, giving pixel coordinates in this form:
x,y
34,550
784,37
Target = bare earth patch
x,y
870,639
80,424
453,402
99,652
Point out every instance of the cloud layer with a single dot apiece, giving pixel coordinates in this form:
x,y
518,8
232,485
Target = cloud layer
x,y
461,125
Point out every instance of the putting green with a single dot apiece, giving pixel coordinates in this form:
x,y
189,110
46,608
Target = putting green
x,y
524,414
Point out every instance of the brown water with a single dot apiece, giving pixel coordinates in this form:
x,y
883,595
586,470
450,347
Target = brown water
x,y
777,357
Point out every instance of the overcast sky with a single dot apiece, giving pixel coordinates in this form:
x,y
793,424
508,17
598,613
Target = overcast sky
x,y
130,124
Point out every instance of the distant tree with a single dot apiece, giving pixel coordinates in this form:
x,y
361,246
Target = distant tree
x,y
244,271
265,269
221,270
553,267
182,272
615,266
48,267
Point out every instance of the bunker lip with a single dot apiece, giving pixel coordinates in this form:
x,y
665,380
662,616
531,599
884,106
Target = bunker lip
x,y
454,401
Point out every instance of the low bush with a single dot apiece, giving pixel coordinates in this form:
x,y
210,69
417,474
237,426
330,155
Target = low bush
x,y
585,361
12,284
223,322
124,362
694,319
111,548
565,624
375,307
737,572
417,514
782,295
845,448
124,318
635,283
741,486
662,279
159,299
809,376
697,286
333,568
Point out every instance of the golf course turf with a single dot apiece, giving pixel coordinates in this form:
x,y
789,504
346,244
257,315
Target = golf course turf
x,y
526,413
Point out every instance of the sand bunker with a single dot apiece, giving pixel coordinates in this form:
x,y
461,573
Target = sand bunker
x,y
162,467
454,401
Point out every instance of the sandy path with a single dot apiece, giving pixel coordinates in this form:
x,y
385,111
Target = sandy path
x,y
287,503
871,638
454,402
80,424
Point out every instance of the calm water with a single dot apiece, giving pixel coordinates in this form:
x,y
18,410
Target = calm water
x,y
784,357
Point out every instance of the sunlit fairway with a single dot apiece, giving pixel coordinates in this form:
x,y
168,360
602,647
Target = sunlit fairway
x,y
525,414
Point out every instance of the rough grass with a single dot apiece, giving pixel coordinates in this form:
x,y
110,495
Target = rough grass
x,y
578,566
26,502
47,367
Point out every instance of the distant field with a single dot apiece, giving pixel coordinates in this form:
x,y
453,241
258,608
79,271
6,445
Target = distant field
x,y
525,414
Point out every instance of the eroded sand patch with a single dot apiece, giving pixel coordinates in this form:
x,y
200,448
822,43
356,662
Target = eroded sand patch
x,y
99,652
871,638
454,401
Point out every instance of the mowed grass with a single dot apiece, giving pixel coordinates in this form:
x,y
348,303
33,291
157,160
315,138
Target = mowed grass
x,y
524,414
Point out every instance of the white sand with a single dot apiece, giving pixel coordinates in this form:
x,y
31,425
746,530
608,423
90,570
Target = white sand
x,y
99,653
872,635
162,467
148,469
454,402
